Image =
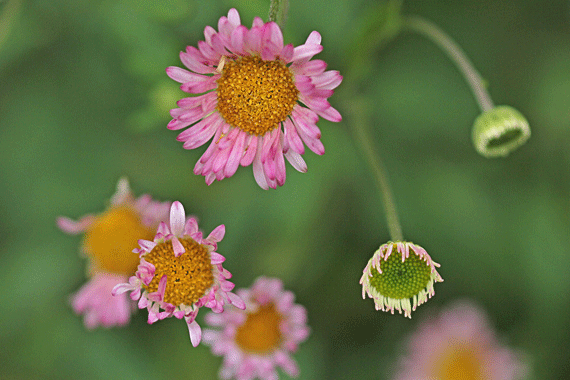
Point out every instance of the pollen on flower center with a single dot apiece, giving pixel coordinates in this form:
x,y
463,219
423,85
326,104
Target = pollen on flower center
x,y
256,95
399,279
260,333
459,362
111,239
189,276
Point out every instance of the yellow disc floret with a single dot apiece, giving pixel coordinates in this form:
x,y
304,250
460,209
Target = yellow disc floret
x,y
260,333
459,362
255,95
189,276
110,240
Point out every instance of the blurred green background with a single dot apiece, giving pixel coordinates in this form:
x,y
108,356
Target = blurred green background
x,y
84,100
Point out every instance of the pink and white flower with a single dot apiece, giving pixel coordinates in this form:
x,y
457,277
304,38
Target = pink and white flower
x,y
399,276
108,241
180,272
256,99
459,344
255,342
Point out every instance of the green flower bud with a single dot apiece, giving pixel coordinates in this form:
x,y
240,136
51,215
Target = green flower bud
x,y
401,281
499,131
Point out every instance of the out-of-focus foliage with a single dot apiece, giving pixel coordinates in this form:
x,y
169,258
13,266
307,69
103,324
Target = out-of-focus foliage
x,y
84,100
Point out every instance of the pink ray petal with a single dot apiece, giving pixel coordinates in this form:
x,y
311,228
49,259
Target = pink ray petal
x,y
195,333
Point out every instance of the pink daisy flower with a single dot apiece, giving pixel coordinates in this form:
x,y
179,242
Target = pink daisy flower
x,y
180,272
256,341
108,242
259,100
459,345
402,280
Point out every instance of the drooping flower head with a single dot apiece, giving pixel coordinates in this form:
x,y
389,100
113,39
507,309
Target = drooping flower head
x,y
459,345
180,272
259,100
399,276
256,341
108,243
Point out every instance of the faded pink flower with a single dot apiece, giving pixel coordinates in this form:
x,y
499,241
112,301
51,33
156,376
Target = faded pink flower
x,y
399,276
259,100
459,345
255,342
108,241
180,272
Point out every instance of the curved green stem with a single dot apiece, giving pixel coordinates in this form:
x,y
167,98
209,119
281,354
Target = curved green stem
x,y
360,118
278,12
434,33
7,18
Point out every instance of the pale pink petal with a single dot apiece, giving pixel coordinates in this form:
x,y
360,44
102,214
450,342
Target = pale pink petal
x,y
283,360
199,86
330,114
191,226
123,194
200,133
95,301
207,51
237,40
292,138
189,60
208,33
182,76
177,247
163,229
306,51
177,124
235,155
216,258
280,173
296,161
236,301
72,227
258,173
250,150
233,16
314,38
195,333
217,234
146,245
328,80
310,68
287,53
177,218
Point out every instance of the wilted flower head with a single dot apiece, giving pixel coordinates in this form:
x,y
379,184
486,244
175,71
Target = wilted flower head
x,y
180,272
459,345
400,275
108,243
256,341
260,100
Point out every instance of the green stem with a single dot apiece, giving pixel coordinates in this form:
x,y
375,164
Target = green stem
x,y
7,19
278,12
360,118
438,36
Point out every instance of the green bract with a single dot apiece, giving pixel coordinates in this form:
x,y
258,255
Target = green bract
x,y
500,131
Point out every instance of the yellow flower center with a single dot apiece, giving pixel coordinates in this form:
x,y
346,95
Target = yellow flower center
x,y
255,95
112,237
459,362
188,276
260,333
